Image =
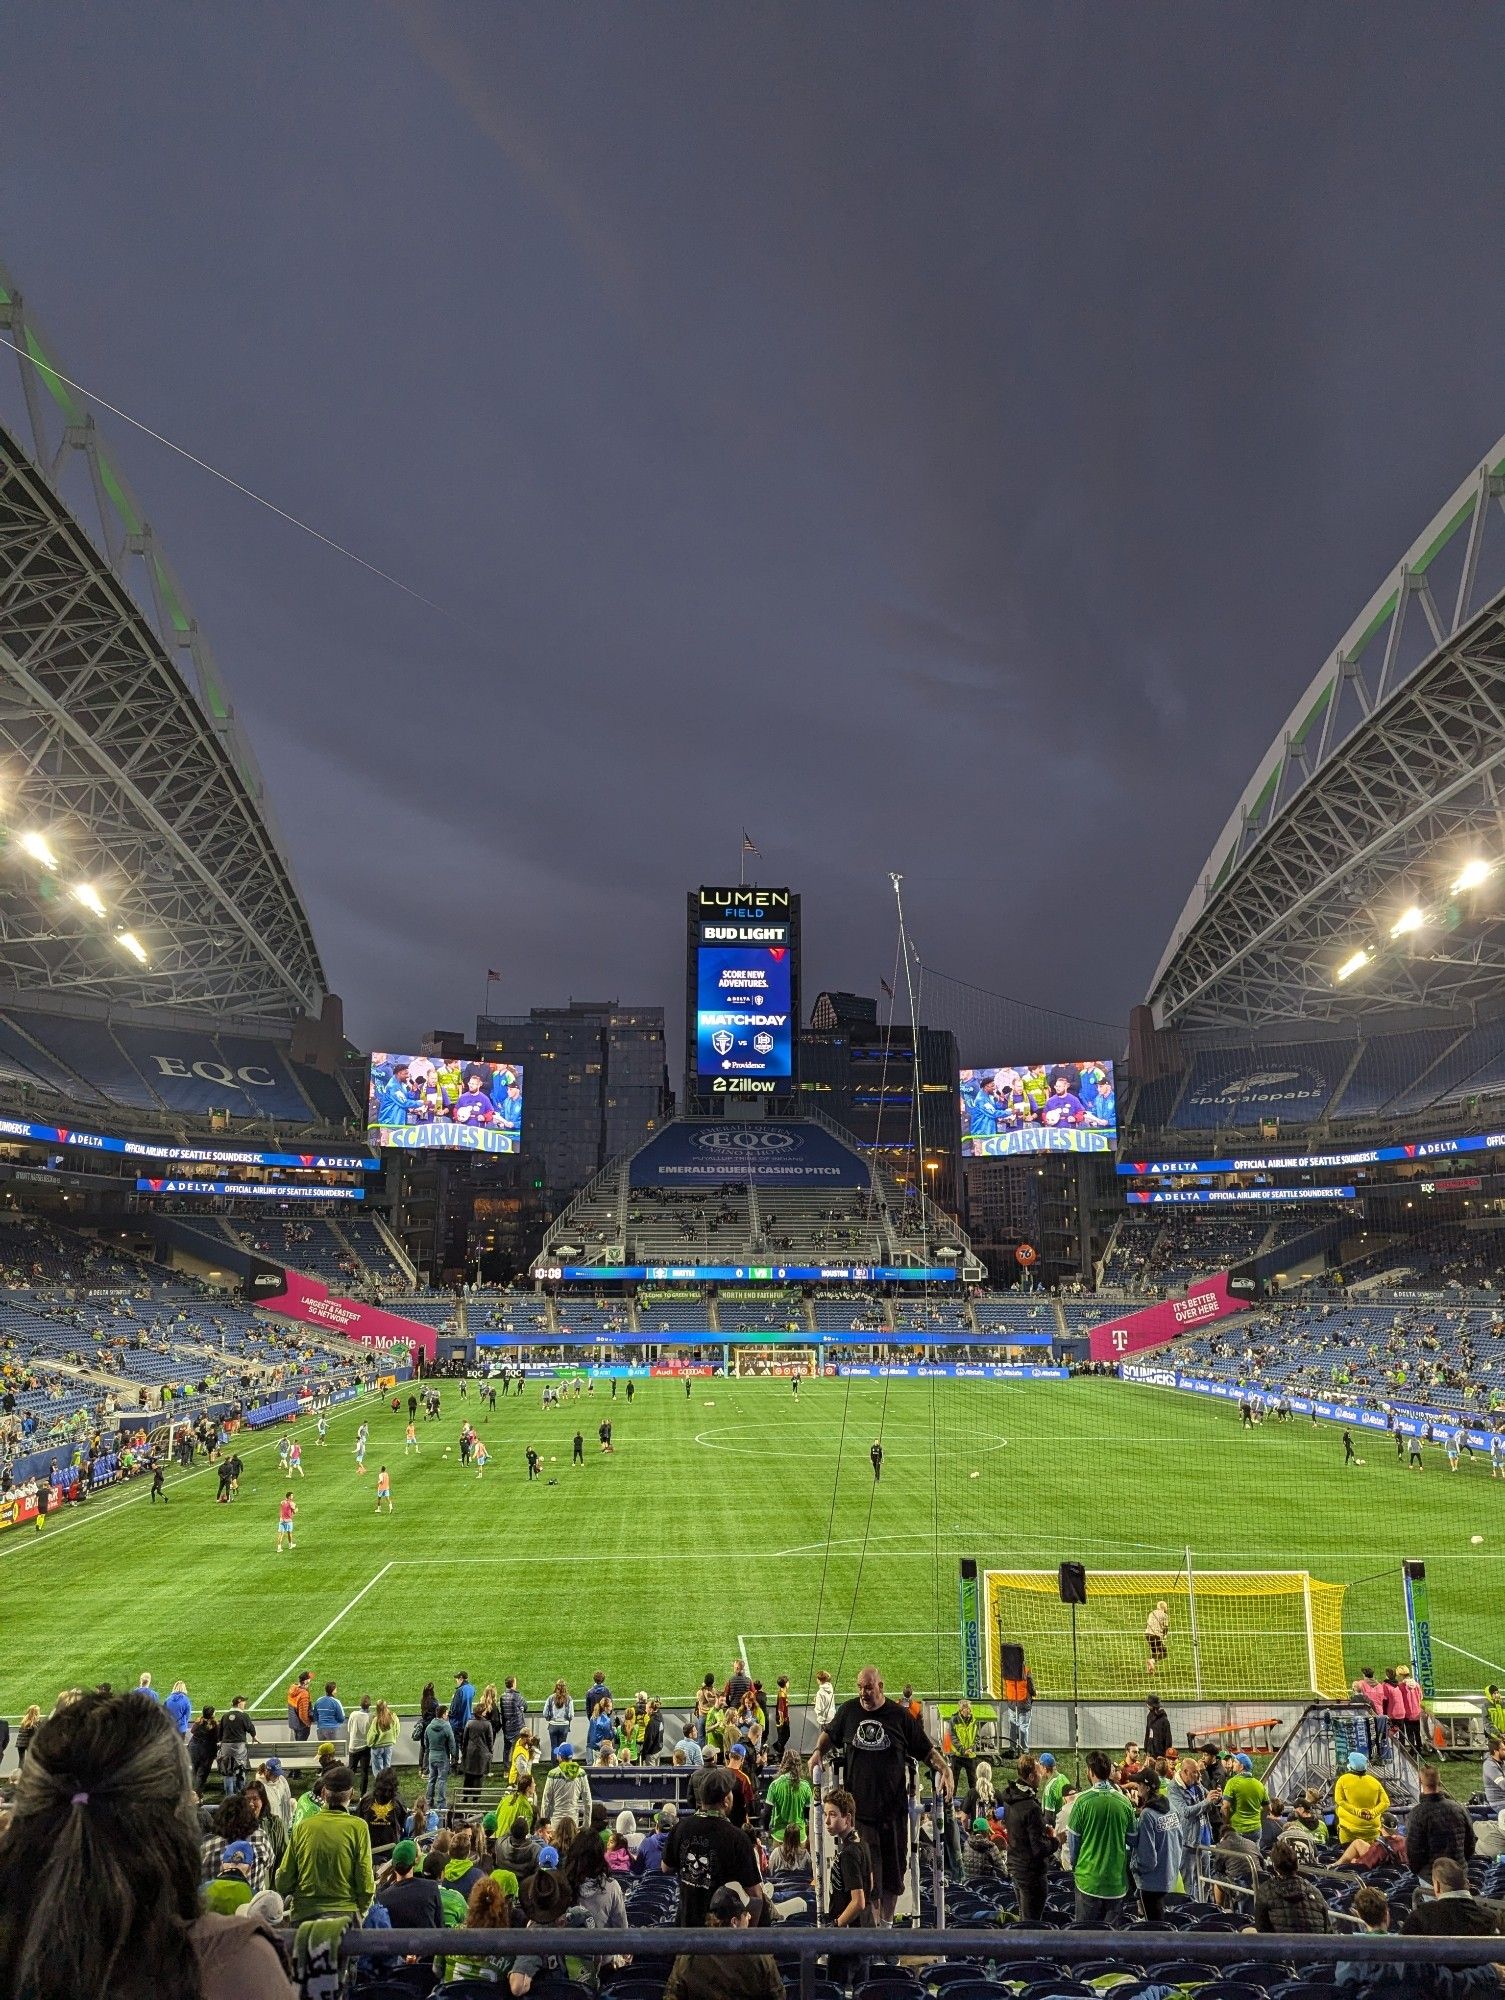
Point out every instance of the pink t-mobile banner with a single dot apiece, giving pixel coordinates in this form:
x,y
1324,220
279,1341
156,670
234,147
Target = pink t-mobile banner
x,y
306,1300
1131,1333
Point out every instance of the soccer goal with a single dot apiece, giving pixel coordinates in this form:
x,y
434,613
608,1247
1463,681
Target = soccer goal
x,y
780,1361
1232,1635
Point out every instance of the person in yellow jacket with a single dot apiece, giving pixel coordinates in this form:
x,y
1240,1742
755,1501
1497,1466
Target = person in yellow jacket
x,y
1359,1800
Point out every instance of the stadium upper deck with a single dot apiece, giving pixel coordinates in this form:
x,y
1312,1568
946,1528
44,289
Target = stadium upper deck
x,y
1357,875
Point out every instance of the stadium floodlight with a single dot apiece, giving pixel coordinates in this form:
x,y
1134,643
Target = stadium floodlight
x,y
128,941
1352,965
1408,920
1474,872
35,844
89,896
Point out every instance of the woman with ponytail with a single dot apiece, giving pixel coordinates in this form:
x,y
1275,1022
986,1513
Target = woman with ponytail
x,y
99,1871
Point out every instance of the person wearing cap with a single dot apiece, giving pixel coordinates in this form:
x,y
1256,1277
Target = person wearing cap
x,y
745,1796
279,1792
1245,1798
230,1890
568,1791
753,1977
326,1869
1359,1801
409,1899
652,1850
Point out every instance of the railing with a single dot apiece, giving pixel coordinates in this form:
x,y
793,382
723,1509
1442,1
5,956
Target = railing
x,y
806,1944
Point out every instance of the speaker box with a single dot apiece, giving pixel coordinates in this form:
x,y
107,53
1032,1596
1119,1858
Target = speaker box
x,y
1072,1578
1011,1658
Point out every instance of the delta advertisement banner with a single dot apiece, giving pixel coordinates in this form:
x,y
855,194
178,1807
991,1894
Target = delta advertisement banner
x,y
1210,1299
293,1296
272,1190
921,1371
1365,1156
1411,1422
209,1156
1199,1197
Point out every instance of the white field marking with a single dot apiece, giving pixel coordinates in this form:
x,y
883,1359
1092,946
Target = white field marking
x,y
87,1513
299,1658
742,1655
706,1440
1494,1664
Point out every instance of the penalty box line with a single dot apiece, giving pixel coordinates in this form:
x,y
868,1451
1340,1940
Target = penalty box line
x,y
298,1658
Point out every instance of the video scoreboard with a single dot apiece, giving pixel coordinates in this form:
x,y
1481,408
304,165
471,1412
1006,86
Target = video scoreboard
x,y
742,1000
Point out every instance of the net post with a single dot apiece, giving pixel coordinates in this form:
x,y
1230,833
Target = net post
x,y
1311,1630
1191,1615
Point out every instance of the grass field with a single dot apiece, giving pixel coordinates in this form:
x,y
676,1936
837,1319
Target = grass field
x,y
706,1535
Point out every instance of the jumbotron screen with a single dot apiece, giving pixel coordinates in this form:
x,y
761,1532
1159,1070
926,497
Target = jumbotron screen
x,y
1061,1107
419,1102
742,1011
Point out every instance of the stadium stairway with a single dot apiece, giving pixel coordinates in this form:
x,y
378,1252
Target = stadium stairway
x,y
1315,1754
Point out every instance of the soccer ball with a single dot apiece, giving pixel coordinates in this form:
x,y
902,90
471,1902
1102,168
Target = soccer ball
x,y
974,1475
1358,1461
1476,1540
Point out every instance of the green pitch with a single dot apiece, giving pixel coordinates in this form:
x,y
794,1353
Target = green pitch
x,y
732,1521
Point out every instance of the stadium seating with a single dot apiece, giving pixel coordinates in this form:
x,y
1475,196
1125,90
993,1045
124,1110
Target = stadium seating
x,y
1428,1356
99,1063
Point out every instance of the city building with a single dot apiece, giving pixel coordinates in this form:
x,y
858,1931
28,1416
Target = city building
x,y
860,1071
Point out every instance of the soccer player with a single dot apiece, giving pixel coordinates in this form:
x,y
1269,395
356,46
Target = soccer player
x,y
236,1469
794,1383
284,1451
383,1488
630,1391
1414,1453
295,1458
578,1456
159,1485
322,1429
1497,1455
360,1451
687,1388
410,1438
222,1495
286,1514
532,1463
875,1453
1350,1456
1400,1442
605,1436
1454,1447
481,1457
1156,1630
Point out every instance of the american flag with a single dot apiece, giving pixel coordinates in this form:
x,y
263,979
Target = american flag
x,y
749,845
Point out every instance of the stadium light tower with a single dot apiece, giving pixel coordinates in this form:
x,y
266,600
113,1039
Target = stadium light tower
x,y
1408,921
38,847
1354,964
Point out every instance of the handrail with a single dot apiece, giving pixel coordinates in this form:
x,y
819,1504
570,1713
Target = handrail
x,y
1145,1947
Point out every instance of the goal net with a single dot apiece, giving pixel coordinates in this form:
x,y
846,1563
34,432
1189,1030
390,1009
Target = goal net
x,y
1231,1635
781,1360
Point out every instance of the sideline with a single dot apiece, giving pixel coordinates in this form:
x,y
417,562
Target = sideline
x,y
298,1658
87,1514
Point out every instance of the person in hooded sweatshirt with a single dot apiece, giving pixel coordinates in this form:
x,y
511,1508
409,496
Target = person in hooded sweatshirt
x,y
1156,1851
1031,1842
568,1791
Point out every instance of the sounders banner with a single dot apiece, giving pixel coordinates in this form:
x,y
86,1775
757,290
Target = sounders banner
x,y
1419,1626
971,1635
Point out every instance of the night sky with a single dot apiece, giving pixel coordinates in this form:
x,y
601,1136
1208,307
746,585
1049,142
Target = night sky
x,y
943,438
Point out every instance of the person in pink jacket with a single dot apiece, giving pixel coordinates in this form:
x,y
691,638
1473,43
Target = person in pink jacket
x,y
1372,1692
1410,1695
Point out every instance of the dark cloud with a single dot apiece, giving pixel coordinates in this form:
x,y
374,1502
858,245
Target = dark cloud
x,y
938,439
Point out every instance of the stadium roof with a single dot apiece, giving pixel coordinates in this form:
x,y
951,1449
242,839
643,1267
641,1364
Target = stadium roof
x,y
118,744
1386,780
